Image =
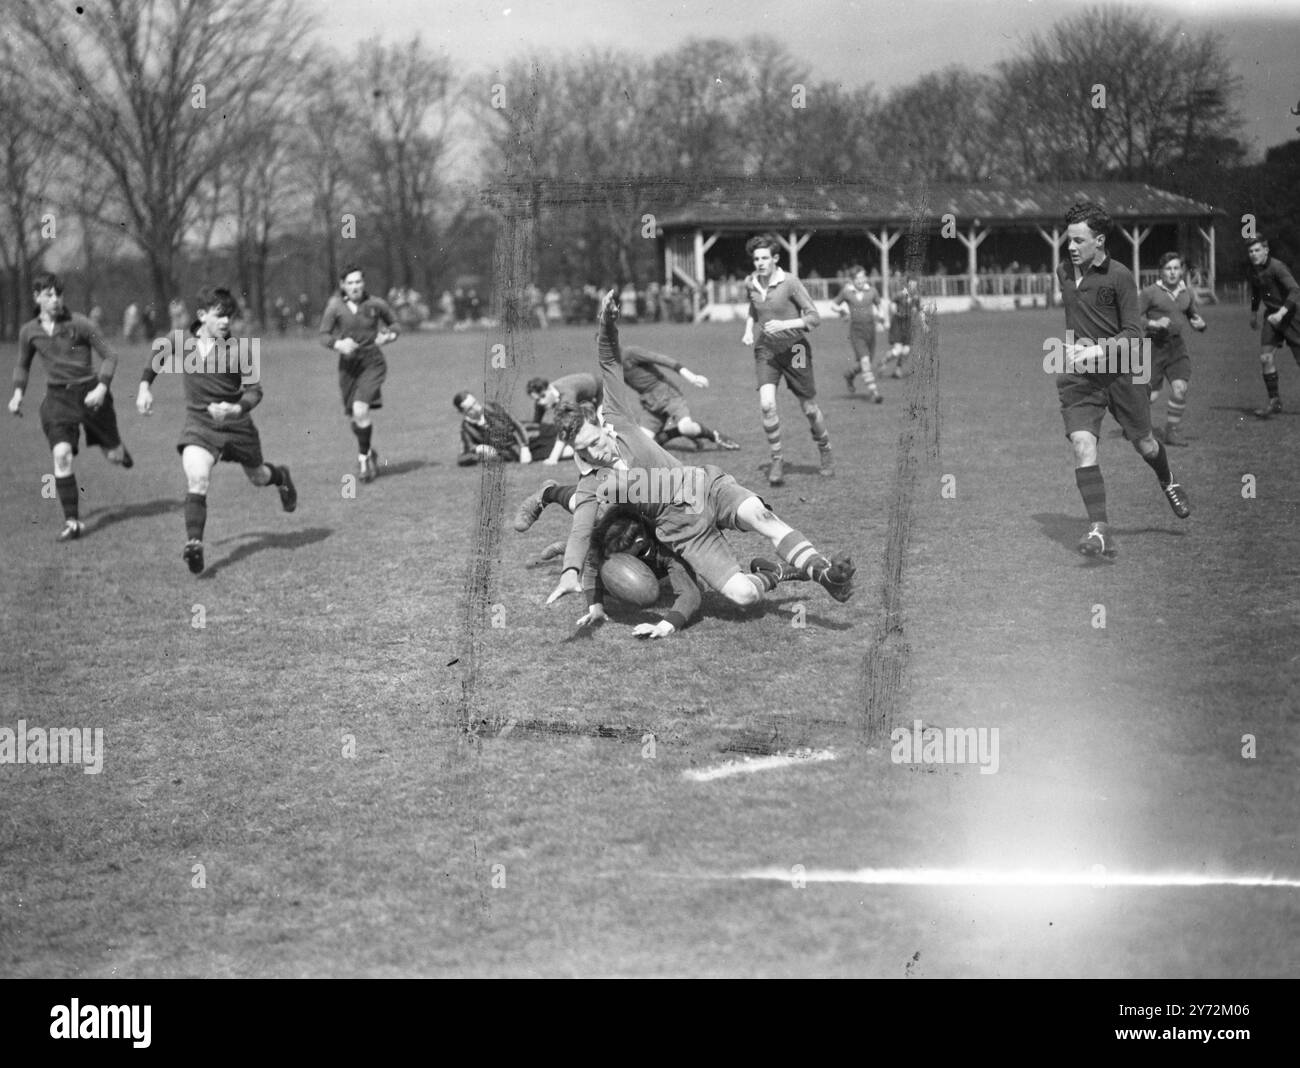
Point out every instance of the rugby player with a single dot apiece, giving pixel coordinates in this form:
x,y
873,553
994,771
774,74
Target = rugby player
x,y
356,325
218,426
1101,315
76,397
1164,306
1273,285
859,302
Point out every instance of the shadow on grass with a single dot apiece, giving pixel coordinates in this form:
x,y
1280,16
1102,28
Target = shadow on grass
x,y
1066,530
387,470
1249,410
107,517
293,539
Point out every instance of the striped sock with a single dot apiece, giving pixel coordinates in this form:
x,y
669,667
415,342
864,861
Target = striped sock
x,y
799,553
1174,412
196,515
1093,491
772,428
69,497
817,424
764,580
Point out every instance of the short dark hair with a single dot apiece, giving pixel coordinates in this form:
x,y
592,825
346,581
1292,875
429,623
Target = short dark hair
x,y
1094,215
536,385
856,270
216,297
570,418
763,241
47,280
619,531
1258,240
1169,257
459,399
350,268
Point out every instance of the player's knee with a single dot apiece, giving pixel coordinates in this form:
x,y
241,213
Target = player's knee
x,y
810,409
767,407
688,426
1179,390
1147,446
62,455
361,415
259,475
740,590
196,483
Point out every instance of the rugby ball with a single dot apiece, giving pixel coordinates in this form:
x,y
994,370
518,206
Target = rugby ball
x,y
630,580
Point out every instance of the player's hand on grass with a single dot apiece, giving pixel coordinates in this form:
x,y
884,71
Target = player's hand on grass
x,y
525,455
593,617
144,399
95,398
653,630
570,582
16,403
550,461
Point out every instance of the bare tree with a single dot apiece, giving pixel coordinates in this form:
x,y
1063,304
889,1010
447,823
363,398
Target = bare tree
x,y
156,90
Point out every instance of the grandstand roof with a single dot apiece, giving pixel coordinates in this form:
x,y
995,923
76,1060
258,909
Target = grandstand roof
x,y
745,207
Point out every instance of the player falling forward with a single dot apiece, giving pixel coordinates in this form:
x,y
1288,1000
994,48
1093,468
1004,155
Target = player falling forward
x,y
1164,306
663,401
356,326
1272,284
688,507
1101,314
859,302
218,426
782,311
75,396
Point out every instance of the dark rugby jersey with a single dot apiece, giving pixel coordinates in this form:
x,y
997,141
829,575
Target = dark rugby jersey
x,y
362,326
784,297
66,353
1273,285
577,388
641,368
1156,302
499,429
862,305
219,381
1102,304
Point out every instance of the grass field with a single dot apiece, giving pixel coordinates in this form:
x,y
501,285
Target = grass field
x,y
390,759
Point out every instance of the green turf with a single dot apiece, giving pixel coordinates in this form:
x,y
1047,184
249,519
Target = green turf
x,y
356,622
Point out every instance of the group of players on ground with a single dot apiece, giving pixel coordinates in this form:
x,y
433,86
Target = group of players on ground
x,y
588,419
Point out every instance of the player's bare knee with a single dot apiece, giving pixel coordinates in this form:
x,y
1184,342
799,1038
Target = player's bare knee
x,y
1147,446
768,408
361,415
259,475
1179,390
62,456
688,426
810,409
196,484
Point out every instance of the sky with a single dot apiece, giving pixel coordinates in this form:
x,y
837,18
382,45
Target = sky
x,y
884,42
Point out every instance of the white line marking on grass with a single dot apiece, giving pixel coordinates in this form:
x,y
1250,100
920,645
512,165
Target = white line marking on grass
x,y
984,877
753,764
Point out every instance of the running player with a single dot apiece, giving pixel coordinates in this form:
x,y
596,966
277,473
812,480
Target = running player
x,y
688,506
1273,285
859,302
783,313
905,315
75,396
1101,316
1164,306
356,325
218,426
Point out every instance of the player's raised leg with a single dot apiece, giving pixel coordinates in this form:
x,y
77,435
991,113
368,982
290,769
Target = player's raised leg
x,y
796,552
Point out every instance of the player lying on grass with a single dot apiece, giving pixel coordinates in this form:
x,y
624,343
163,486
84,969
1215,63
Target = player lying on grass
x,y
489,432
218,426
548,397
75,396
1164,306
688,507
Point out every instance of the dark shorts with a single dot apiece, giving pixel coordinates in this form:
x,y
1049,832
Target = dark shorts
x,y
863,340
794,365
695,534
359,380
1270,337
1085,399
665,405
541,437
233,441
900,330
64,413
1170,363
